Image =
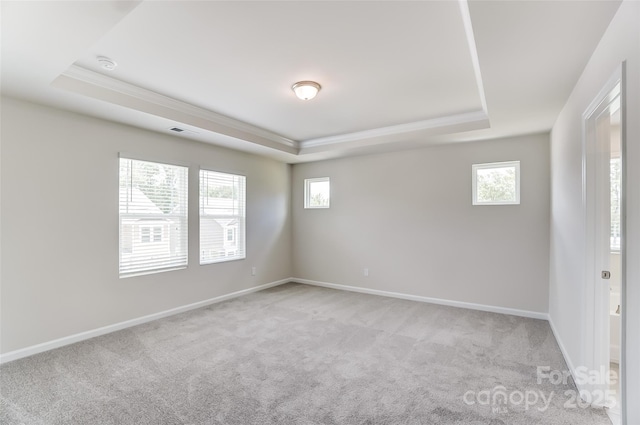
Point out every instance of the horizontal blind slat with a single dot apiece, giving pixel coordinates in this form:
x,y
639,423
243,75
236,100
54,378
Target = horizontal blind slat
x,y
222,216
153,216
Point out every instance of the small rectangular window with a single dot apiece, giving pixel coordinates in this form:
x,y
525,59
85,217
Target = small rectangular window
x,y
496,183
222,217
317,192
157,234
145,234
153,217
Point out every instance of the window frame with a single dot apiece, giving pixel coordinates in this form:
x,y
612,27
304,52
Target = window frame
x,y
240,240
126,244
493,165
307,192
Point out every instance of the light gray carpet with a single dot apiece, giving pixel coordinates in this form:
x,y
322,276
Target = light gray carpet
x,y
297,355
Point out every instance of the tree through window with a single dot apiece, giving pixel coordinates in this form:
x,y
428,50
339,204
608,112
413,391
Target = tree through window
x,y
496,183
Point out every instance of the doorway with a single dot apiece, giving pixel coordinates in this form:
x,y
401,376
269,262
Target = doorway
x,y
604,163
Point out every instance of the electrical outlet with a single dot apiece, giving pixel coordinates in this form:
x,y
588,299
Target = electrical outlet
x,y
366,272
253,271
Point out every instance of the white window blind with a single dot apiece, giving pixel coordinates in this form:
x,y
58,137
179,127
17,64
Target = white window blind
x,y
222,217
153,217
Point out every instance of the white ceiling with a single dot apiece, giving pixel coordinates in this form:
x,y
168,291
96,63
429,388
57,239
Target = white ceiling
x,y
394,74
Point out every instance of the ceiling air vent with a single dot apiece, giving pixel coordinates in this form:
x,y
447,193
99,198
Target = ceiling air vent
x,y
177,130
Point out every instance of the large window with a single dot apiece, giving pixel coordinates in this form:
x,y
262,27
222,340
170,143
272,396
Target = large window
x,y
153,217
496,183
317,192
222,217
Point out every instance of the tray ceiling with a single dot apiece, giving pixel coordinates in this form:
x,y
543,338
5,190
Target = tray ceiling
x,y
394,74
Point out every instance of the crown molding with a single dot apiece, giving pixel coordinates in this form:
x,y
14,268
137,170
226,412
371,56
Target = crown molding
x,y
85,81
451,123
473,51
98,86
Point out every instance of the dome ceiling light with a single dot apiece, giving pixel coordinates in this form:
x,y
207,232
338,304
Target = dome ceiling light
x,y
306,90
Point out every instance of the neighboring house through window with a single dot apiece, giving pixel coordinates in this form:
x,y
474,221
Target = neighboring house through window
x,y
231,232
222,216
153,217
151,234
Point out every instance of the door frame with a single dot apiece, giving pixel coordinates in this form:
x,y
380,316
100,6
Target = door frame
x,y
595,296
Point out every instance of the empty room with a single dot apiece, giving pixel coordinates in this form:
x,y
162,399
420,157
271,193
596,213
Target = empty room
x,y
320,212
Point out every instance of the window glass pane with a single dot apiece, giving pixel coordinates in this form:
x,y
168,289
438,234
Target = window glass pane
x,y
496,183
222,216
153,217
317,193
615,176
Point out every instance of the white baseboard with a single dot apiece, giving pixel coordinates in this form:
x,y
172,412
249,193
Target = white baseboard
x,y
450,303
579,378
565,354
50,345
61,342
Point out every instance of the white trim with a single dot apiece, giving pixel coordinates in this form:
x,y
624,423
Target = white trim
x,y
120,91
565,354
439,301
579,382
454,121
190,117
71,339
473,51
596,252
307,192
493,165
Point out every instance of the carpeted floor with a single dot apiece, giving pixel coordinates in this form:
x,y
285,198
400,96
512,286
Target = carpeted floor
x,y
299,355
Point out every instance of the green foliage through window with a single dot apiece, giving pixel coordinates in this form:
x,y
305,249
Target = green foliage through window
x,y
496,183
317,192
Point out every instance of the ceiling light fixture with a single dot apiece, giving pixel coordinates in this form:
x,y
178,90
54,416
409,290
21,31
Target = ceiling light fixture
x,y
306,90
106,63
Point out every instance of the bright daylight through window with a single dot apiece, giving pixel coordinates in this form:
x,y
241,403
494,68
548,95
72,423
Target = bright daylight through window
x,y
317,192
496,183
222,217
153,217
616,199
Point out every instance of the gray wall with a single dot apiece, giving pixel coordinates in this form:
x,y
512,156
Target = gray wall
x,y
60,225
408,217
620,42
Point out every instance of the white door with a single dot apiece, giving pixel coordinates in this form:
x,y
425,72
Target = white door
x,y
603,161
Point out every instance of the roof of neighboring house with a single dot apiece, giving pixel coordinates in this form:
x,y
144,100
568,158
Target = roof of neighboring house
x,y
220,206
134,201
